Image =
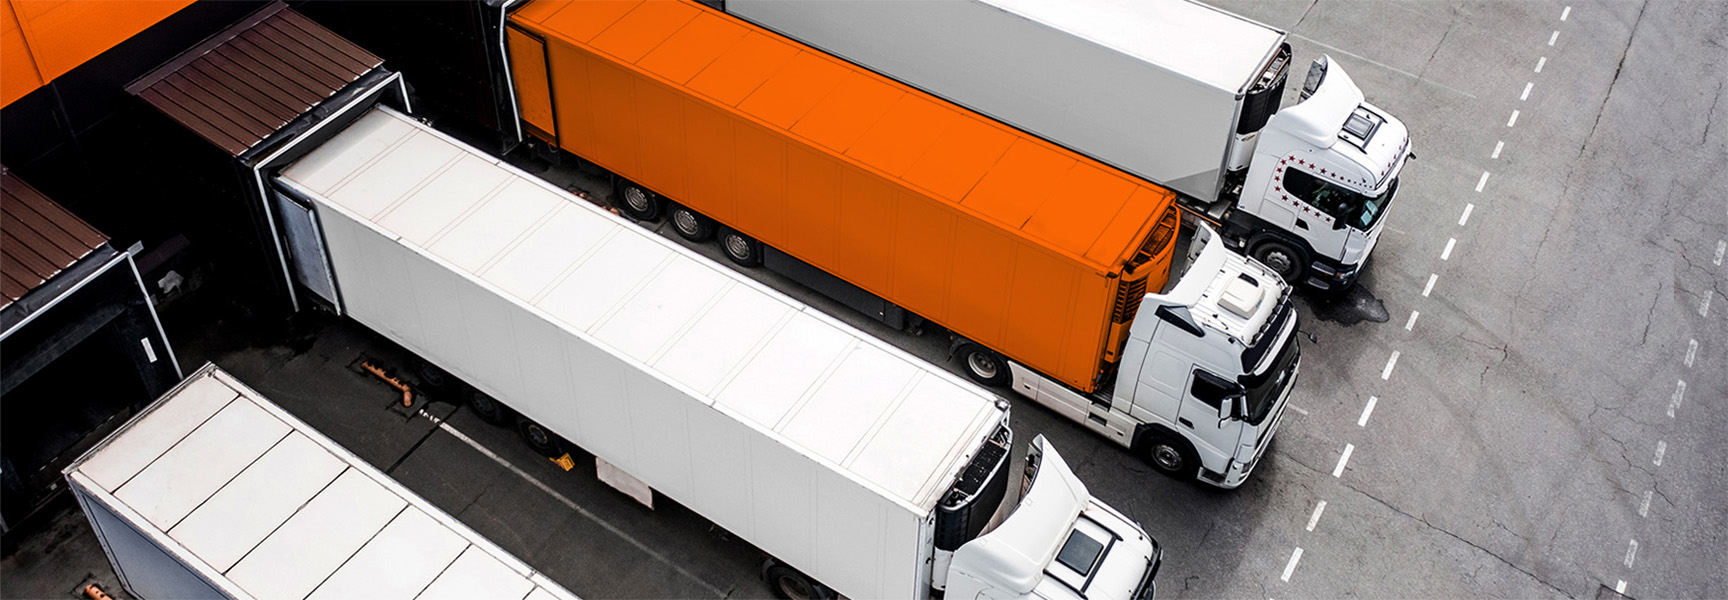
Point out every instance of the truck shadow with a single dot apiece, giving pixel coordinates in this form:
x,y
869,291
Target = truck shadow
x,y
1349,307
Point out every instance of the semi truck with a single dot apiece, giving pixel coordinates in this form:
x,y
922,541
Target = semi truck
x,y
1173,91
213,491
858,469
1052,271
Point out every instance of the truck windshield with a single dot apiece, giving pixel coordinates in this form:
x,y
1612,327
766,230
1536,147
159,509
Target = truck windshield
x,y
1264,388
1356,210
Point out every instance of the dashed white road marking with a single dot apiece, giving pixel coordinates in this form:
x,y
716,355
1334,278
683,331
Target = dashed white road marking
x,y
1447,253
1631,552
1565,13
1344,458
1678,397
1704,307
1539,62
1526,95
1297,409
1553,37
1367,410
1644,507
1315,518
1430,287
1691,352
1721,247
1484,180
1620,587
1412,322
1386,373
1466,216
1290,567
1498,146
1661,449
1511,121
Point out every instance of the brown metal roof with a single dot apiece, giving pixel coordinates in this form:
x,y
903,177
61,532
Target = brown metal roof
x,y
246,82
38,238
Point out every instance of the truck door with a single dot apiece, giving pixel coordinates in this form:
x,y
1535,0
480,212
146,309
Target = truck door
x,y
1199,417
311,266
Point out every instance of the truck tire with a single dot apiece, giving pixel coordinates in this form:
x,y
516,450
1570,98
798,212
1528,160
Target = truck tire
x,y
1171,455
538,437
789,584
741,249
489,409
1283,258
638,202
692,225
435,379
983,365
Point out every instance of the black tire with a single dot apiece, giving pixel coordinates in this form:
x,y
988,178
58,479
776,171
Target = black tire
x,y
692,225
1171,455
983,365
1288,261
541,439
788,584
638,202
489,409
434,378
741,249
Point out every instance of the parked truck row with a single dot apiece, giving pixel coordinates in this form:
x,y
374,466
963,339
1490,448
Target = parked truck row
x,y
1056,274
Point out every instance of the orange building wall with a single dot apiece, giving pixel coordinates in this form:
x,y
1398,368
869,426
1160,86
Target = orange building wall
x,y
995,234
43,39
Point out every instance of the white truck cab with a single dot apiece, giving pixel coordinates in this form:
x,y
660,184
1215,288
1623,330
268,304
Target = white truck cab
x,y
1205,374
1059,543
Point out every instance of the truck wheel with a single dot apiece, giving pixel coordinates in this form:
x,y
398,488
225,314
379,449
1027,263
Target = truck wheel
x,y
638,202
1171,456
489,409
434,378
1285,260
539,438
692,225
741,249
787,583
984,365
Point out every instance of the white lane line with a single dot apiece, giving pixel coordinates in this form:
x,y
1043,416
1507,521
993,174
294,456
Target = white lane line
x,y
1661,449
1367,410
1620,587
1721,246
1484,180
1526,95
1466,216
1447,253
1386,373
1430,287
1412,322
1643,507
1512,121
1498,146
575,507
1539,62
1704,307
1338,471
1678,397
1290,567
1631,552
1553,37
1315,518
1297,409
1566,13
1691,352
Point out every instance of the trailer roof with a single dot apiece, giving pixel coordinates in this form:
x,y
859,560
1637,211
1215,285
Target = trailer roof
x,y
1211,46
893,422
262,505
1023,184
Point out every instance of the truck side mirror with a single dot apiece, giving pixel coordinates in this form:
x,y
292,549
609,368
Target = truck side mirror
x,y
1233,407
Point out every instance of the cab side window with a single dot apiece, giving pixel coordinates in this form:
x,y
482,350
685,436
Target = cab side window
x,y
1209,388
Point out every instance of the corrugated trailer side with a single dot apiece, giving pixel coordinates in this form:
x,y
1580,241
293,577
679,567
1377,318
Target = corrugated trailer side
x,y
214,492
993,233
822,446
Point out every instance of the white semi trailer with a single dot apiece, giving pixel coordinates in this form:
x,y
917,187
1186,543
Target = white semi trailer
x,y
1176,92
861,470
215,492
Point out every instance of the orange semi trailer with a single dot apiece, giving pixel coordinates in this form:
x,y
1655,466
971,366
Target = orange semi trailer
x,y
1038,258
